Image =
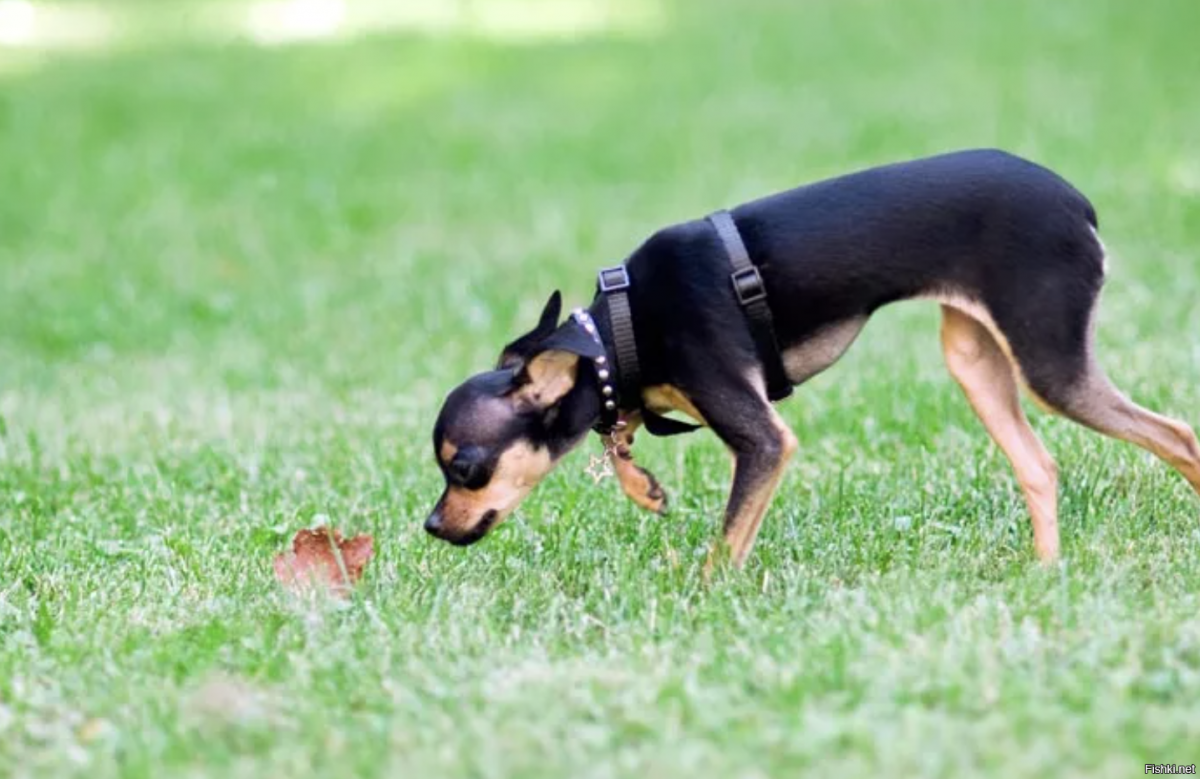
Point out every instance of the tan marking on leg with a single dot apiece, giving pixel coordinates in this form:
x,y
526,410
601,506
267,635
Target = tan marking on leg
x,y
638,483
975,310
1102,407
742,531
988,378
663,398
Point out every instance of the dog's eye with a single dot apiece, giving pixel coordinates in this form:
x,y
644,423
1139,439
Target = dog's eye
x,y
469,472
461,470
470,468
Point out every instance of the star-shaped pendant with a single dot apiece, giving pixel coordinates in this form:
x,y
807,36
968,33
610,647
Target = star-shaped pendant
x,y
599,467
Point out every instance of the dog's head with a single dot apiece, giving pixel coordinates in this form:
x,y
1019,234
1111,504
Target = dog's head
x,y
499,433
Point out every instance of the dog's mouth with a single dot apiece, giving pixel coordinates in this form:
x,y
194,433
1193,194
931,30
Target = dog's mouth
x,y
479,531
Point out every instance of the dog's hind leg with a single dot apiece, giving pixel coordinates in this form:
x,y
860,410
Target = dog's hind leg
x,y
1094,402
1058,363
981,368
638,483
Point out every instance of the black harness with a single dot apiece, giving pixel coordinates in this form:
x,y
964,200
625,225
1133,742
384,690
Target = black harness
x,y
613,285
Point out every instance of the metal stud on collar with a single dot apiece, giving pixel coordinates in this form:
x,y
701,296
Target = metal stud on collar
x,y
602,373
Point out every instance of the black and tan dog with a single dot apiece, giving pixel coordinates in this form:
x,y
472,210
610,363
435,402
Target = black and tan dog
x,y
1008,249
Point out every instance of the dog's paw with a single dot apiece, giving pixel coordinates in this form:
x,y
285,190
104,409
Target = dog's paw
x,y
656,496
641,487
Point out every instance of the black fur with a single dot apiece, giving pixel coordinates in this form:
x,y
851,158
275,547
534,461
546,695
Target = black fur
x,y
985,225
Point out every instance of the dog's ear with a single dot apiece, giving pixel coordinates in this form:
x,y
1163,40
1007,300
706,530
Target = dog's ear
x,y
524,347
549,374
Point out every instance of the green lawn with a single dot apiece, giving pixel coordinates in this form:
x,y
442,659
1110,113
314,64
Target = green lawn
x,y
236,282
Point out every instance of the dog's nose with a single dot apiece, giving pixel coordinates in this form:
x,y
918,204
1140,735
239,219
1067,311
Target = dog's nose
x,y
433,525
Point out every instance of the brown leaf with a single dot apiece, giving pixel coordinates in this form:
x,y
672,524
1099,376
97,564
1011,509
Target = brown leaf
x,y
93,729
313,561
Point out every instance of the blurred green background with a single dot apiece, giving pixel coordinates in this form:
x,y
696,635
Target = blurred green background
x,y
245,249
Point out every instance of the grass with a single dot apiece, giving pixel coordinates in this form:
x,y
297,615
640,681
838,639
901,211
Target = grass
x,y
235,283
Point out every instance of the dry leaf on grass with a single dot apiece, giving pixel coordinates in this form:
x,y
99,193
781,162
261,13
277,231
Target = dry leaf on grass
x,y
94,729
313,561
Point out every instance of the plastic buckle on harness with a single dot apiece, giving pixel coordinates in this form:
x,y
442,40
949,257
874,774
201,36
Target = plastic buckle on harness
x,y
613,279
748,285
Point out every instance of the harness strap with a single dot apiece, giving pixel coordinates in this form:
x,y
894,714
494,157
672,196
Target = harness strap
x,y
613,286
752,296
751,292
658,425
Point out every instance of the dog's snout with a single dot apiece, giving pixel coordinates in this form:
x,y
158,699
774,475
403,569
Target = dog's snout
x,y
437,527
433,525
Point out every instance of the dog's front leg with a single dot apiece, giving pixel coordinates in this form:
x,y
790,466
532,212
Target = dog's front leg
x,y
761,444
638,483
758,467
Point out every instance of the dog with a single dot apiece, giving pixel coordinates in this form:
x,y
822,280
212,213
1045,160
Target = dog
x,y
1008,249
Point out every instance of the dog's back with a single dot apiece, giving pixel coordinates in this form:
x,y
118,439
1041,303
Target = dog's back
x,y
971,223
